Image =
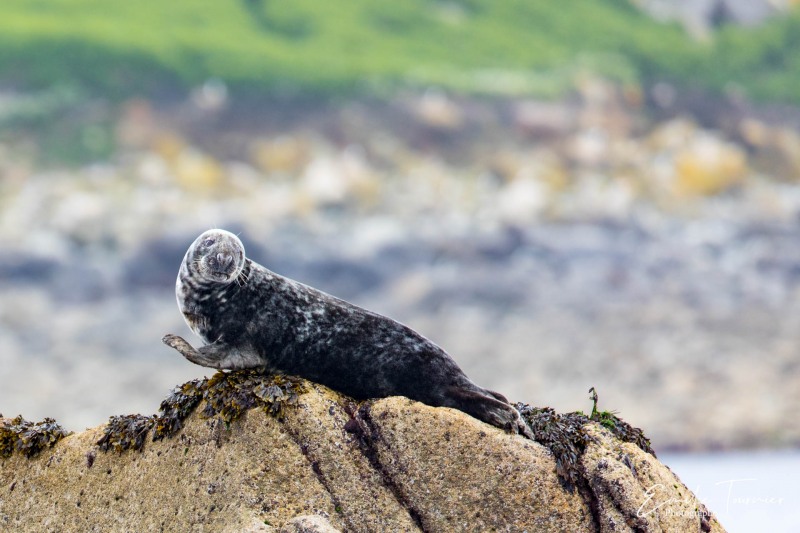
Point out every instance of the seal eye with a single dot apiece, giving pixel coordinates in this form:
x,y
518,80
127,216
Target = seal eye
x,y
208,242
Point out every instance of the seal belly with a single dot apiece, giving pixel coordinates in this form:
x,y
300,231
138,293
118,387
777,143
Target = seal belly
x,y
197,323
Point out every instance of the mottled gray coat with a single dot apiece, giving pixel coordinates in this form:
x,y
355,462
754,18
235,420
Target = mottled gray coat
x,y
251,317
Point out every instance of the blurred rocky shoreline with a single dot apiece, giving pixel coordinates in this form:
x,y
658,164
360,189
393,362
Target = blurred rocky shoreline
x,y
606,240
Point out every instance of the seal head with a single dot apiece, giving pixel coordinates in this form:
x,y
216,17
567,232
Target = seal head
x,y
216,256
213,266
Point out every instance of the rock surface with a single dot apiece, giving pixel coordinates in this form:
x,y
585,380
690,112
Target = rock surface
x,y
331,465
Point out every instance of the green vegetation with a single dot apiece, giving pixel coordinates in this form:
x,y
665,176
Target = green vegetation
x,y
621,429
340,47
566,437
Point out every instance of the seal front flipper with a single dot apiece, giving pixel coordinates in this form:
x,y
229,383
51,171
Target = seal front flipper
x,y
188,351
219,356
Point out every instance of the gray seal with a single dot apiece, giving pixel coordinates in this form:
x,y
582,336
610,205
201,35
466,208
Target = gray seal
x,y
251,317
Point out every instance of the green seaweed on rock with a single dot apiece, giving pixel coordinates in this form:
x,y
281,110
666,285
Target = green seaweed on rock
x,y
621,429
566,437
279,393
177,406
226,395
229,394
29,438
126,432
563,434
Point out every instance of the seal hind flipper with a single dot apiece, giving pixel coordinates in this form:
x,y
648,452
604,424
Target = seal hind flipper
x,y
485,406
497,395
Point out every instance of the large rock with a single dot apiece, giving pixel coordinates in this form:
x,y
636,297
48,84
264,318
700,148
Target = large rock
x,y
328,464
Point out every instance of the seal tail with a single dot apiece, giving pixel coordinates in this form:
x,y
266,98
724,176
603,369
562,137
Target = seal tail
x,y
490,407
497,395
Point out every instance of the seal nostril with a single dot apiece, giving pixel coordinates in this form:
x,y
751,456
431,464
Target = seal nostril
x,y
224,260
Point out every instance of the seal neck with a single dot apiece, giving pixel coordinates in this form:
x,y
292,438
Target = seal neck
x,y
244,276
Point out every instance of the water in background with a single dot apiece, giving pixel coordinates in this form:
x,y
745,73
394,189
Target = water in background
x,y
747,491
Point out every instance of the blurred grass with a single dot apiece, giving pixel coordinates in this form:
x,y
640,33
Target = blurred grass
x,y
476,46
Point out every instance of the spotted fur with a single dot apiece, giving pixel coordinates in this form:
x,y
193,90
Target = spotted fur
x,y
251,317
